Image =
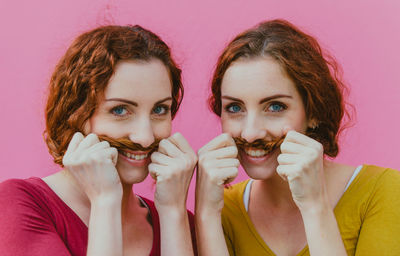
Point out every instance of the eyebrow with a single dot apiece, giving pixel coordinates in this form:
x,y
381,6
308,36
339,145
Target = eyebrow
x,y
134,103
262,100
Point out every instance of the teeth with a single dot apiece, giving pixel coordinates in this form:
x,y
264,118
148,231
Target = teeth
x,y
255,153
133,156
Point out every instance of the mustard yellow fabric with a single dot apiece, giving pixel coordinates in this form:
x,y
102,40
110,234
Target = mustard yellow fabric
x,y
368,216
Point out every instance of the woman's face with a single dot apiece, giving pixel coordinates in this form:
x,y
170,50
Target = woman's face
x,y
136,104
260,101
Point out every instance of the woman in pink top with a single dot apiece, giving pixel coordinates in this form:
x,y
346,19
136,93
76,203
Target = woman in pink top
x,y
111,100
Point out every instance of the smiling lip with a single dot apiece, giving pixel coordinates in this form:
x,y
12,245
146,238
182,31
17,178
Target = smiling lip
x,y
254,156
135,158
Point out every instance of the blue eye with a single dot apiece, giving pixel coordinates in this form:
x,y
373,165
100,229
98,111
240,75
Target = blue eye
x,y
275,107
119,111
234,108
160,110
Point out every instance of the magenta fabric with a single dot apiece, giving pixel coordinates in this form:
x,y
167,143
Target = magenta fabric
x,y
35,221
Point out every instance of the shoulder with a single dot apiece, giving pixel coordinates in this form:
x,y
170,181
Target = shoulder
x,y
382,180
20,189
24,203
375,176
378,188
235,192
233,201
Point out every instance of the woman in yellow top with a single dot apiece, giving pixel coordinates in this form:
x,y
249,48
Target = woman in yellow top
x,y
281,105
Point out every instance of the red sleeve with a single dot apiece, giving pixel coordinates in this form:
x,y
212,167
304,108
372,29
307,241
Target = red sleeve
x,y
25,227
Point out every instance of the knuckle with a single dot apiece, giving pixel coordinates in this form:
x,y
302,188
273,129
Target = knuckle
x,y
177,135
290,134
233,150
284,146
225,136
319,147
302,166
163,143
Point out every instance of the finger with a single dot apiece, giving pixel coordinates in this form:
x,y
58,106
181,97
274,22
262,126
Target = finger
x,y
90,140
110,154
179,141
168,148
291,147
101,145
296,137
155,170
223,140
159,158
228,162
74,143
227,175
227,152
282,172
288,172
286,159
114,155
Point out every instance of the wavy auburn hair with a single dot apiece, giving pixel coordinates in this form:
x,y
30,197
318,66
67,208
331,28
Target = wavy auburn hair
x,y
316,75
82,74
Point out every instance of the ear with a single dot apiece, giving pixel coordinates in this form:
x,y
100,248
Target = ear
x,y
312,124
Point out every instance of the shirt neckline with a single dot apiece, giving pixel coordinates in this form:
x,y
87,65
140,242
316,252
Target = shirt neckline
x,y
254,231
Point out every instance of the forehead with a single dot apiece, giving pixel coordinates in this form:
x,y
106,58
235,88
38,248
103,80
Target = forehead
x,y
258,76
139,80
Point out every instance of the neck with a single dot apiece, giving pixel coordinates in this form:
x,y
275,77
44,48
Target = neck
x,y
275,192
130,205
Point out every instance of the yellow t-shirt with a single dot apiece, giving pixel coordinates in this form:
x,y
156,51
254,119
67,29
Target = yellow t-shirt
x,y
368,216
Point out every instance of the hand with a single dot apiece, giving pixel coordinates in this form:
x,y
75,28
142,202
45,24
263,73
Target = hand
x,y
301,164
92,164
218,165
172,168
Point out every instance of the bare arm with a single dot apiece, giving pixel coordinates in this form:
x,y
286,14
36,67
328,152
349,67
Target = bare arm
x,y
322,232
105,230
175,232
301,165
210,234
172,167
217,166
92,164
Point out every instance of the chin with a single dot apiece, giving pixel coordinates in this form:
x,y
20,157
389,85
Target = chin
x,y
259,169
132,174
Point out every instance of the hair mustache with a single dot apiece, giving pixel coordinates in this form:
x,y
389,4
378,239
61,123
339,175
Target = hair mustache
x,y
124,143
268,146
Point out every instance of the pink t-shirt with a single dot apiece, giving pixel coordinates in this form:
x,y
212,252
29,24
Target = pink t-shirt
x,y
35,221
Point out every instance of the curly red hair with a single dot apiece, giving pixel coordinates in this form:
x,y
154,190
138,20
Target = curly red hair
x,y
82,75
315,74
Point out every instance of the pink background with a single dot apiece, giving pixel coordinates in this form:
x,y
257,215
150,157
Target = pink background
x,y
363,35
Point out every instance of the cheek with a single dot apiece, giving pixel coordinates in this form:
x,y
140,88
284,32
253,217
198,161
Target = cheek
x,y
162,130
230,126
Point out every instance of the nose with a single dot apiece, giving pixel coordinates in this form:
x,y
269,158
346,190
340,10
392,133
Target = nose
x,y
252,128
142,132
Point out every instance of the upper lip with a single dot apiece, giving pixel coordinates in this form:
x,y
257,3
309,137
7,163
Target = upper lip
x,y
253,149
136,152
